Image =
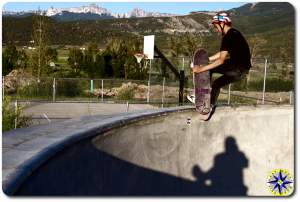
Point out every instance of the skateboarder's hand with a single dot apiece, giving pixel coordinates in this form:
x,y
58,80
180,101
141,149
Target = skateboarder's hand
x,y
197,69
192,65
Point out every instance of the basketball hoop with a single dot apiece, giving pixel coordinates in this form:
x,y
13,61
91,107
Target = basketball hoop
x,y
139,57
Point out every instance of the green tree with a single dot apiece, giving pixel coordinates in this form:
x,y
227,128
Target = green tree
x,y
176,45
192,42
75,61
51,54
108,70
133,70
89,60
119,58
40,37
23,59
6,65
13,59
116,49
186,44
100,66
256,45
9,59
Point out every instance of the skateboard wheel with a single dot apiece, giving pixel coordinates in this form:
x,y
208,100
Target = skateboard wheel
x,y
205,111
188,121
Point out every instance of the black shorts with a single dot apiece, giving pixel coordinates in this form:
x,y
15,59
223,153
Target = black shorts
x,y
231,70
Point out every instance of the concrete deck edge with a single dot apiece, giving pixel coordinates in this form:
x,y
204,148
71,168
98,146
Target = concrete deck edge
x,y
22,171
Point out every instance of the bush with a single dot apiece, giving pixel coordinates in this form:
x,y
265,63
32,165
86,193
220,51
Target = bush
x,y
125,94
36,89
9,115
126,91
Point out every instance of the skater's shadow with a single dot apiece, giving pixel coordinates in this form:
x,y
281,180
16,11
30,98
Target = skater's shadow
x,y
85,170
226,175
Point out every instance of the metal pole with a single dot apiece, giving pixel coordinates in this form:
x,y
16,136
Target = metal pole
x,y
91,86
3,83
181,87
54,90
291,97
16,113
102,90
163,93
265,77
148,94
229,91
127,106
148,90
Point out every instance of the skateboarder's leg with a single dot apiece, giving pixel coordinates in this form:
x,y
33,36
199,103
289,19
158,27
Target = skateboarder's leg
x,y
218,84
226,68
230,74
229,69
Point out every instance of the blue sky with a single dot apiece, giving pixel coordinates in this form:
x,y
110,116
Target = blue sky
x,y
123,7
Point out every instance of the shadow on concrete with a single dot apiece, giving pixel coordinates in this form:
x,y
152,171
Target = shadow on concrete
x,y
225,178
84,170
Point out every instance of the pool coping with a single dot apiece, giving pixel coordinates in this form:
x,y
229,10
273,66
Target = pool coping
x,y
26,149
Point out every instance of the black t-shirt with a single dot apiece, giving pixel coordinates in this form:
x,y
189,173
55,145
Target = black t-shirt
x,y
237,47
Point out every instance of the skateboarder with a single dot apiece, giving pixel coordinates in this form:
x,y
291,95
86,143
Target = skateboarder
x,y
233,45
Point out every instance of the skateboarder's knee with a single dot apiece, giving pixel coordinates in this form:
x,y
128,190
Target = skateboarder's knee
x,y
216,85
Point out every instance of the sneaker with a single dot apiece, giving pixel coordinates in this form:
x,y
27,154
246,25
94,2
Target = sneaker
x,y
212,111
191,98
213,108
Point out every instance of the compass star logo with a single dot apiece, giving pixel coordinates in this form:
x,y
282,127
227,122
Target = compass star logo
x,y
280,182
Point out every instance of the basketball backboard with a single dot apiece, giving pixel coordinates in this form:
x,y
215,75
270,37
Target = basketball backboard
x,y
149,46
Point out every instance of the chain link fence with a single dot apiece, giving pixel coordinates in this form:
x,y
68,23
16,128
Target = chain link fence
x,y
268,82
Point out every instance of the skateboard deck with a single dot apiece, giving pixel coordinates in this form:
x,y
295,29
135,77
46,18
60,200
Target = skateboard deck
x,y
202,84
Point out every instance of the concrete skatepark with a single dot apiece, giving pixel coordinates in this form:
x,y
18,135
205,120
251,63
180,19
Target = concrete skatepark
x,y
158,152
61,111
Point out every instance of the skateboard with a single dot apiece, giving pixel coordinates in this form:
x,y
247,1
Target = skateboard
x,y
202,85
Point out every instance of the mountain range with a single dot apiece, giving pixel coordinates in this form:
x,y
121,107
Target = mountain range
x,y
273,23
90,12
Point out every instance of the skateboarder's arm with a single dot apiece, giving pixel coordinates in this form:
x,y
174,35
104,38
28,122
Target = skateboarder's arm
x,y
214,57
216,63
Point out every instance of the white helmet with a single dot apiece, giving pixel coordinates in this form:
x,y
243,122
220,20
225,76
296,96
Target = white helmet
x,y
221,17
